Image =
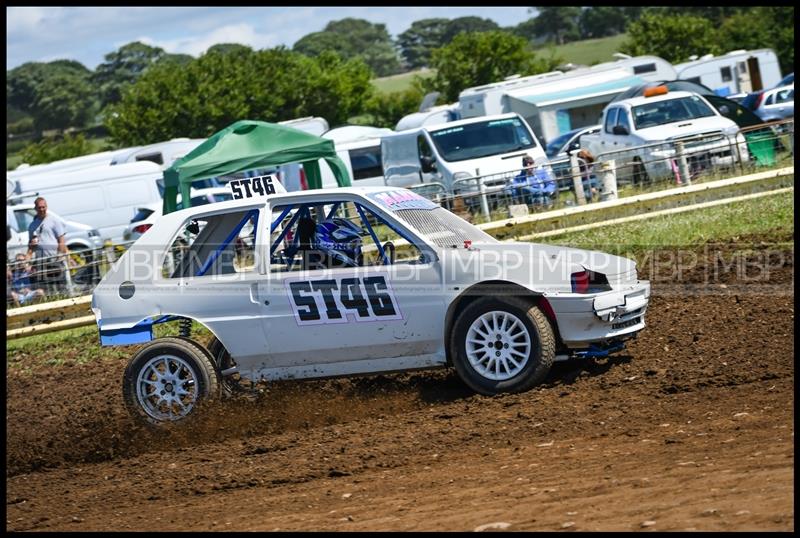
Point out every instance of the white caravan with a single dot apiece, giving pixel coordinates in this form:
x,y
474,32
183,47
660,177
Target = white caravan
x,y
161,153
103,197
739,71
65,165
359,147
310,124
555,103
489,146
430,116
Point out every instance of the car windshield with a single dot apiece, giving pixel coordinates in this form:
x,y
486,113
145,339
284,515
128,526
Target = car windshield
x,y
482,139
142,214
788,79
670,111
443,228
557,143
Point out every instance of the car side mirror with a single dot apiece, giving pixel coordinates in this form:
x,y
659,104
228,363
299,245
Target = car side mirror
x,y
8,232
620,130
428,164
193,227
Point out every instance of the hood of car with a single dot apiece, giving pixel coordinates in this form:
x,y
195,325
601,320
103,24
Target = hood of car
x,y
680,129
534,265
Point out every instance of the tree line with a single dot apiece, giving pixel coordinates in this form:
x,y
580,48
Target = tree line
x,y
142,94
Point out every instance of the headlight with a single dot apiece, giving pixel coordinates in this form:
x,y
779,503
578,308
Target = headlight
x,y
93,233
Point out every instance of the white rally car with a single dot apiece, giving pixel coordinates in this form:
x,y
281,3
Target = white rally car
x,y
350,281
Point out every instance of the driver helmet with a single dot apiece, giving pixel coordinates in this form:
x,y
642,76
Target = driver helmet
x,y
340,239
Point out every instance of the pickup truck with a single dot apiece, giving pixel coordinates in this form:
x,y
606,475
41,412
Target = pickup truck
x,y
640,135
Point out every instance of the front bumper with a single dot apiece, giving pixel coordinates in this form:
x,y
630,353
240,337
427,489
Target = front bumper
x,y
599,318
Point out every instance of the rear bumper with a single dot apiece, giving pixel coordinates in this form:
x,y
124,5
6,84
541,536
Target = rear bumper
x,y
599,318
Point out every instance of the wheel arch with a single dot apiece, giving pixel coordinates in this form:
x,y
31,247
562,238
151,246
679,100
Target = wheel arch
x,y
78,244
495,288
155,319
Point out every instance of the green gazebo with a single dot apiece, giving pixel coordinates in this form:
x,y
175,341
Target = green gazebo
x,y
247,145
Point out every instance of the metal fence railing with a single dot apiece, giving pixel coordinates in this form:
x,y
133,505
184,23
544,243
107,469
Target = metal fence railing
x,y
635,170
43,279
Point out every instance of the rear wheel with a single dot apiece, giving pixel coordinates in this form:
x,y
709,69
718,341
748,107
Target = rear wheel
x,y
167,379
502,345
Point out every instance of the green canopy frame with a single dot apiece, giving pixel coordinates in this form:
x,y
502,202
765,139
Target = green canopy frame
x,y
247,145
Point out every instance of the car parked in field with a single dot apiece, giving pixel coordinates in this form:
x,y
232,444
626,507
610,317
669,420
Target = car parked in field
x,y
776,104
645,131
559,150
348,281
147,214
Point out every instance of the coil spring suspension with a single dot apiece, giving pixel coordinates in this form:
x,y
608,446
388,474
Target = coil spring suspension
x,y
185,328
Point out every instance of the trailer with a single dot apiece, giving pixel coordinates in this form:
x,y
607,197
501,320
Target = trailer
x,y
557,102
737,72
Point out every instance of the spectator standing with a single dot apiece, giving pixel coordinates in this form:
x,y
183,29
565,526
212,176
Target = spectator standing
x,y
46,246
589,180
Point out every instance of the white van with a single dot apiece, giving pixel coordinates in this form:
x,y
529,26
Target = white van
x,y
103,197
487,146
359,147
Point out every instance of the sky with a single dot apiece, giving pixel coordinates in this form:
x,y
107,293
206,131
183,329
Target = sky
x,y
86,34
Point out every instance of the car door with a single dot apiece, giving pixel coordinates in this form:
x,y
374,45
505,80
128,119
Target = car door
x,y
338,316
780,104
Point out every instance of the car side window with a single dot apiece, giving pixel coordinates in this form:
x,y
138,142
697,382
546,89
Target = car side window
x,y
611,119
770,99
333,235
213,245
24,219
784,96
424,147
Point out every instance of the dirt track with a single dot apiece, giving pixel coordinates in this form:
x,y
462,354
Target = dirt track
x,y
691,427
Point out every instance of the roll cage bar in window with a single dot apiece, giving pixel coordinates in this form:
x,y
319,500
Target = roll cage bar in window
x,y
304,210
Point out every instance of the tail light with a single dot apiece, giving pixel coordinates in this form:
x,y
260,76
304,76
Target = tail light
x,y
589,282
759,98
142,228
580,282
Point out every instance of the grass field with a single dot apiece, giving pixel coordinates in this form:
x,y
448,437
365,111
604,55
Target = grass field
x,y
397,83
588,52
770,218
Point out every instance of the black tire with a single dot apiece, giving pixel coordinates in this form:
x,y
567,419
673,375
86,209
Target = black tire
x,y
537,363
190,369
231,385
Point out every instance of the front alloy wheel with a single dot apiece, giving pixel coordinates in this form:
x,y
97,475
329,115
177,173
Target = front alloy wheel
x,y
502,344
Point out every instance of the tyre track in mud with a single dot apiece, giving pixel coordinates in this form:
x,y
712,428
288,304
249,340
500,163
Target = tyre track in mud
x,y
711,379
